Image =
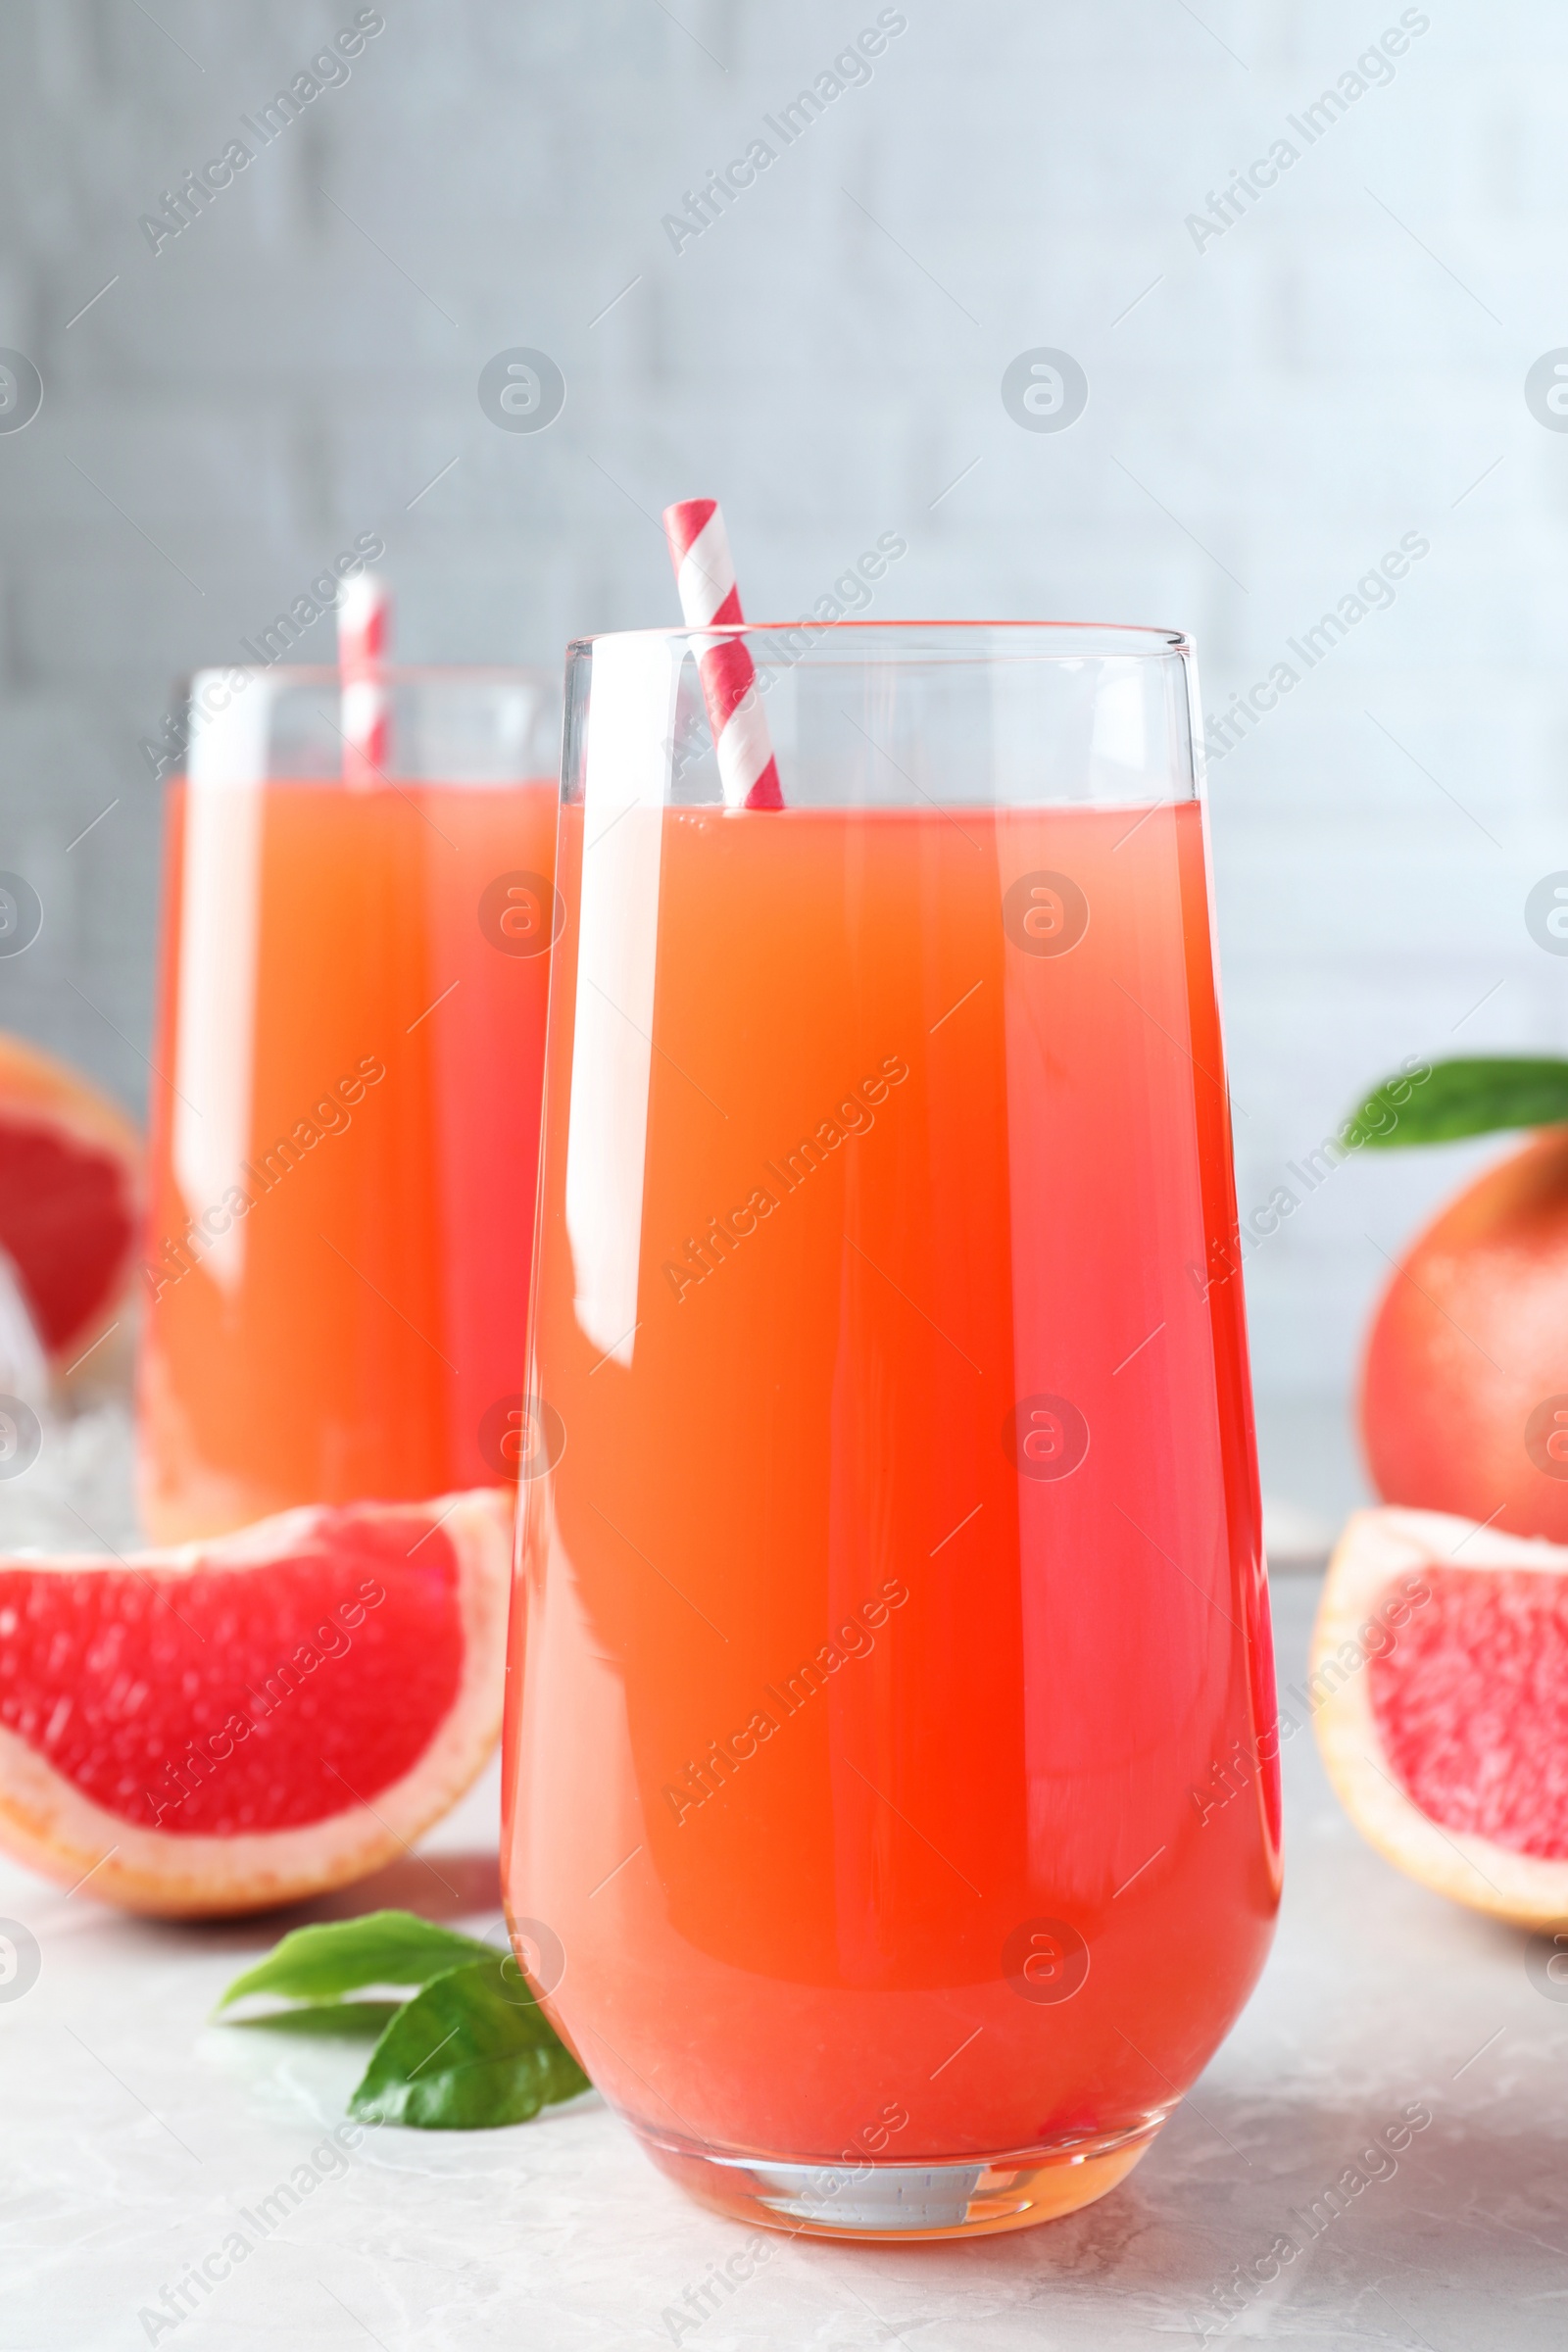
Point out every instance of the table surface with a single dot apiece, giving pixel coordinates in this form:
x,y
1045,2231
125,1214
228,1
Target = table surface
x,y
135,2134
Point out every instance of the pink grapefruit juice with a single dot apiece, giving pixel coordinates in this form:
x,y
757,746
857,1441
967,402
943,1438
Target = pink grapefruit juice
x,y
337,1304
897,1587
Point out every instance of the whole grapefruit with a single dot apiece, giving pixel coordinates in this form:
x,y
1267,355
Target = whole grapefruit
x,y
1465,1389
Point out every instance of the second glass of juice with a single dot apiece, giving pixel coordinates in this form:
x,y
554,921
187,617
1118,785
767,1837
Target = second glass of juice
x,y
346,1093
891,1595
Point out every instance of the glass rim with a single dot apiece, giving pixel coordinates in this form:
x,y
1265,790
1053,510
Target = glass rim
x,y
1144,641
389,673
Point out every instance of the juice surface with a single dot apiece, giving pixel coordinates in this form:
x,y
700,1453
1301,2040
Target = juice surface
x,y
897,1588
345,1140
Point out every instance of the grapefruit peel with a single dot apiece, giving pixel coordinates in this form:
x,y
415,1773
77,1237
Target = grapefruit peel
x,y
1378,1549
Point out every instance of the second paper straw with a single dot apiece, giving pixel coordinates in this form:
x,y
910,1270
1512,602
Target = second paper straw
x,y
705,577
363,643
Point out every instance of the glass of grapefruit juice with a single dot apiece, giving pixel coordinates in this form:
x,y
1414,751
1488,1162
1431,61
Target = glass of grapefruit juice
x,y
346,1099
891,1617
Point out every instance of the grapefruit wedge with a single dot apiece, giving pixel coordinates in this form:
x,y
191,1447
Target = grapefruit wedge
x,y
237,1724
1446,1730
70,1198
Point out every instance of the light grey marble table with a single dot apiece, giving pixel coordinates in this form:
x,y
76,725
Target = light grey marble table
x,y
135,2136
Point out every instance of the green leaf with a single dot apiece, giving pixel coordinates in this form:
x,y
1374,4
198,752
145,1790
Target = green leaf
x,y
338,2020
473,2049
1469,1097
385,1947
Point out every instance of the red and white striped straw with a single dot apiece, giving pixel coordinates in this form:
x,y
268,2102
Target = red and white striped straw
x,y
705,575
364,644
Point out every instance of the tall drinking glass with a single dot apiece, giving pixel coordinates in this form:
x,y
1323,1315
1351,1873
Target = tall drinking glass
x,y
890,1585
346,1096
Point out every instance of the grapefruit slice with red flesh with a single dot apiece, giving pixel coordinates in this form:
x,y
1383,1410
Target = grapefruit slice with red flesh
x,y
70,1198
1439,1669
240,1723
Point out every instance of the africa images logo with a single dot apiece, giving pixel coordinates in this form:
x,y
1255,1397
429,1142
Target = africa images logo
x,y
1045,1436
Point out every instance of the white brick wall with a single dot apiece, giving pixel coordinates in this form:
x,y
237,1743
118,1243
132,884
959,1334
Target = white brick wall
x,y
1309,387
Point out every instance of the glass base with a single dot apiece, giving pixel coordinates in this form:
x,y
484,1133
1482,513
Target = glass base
x,y
903,2202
